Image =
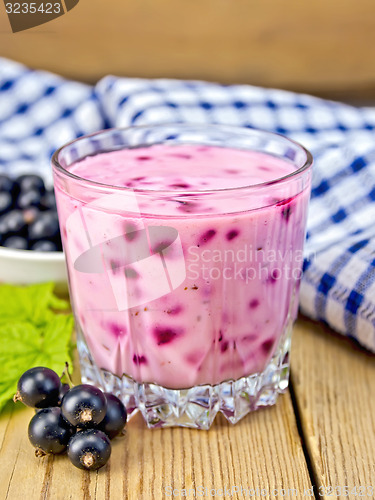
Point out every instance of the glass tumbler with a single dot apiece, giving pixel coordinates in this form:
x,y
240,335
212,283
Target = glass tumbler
x,y
184,297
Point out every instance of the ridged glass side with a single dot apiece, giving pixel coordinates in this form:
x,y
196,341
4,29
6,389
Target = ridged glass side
x,y
198,406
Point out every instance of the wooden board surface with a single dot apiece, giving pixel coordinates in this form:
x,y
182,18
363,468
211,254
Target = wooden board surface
x,y
313,46
262,451
334,385
329,428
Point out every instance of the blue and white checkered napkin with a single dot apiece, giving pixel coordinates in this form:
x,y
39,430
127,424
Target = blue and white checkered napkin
x,y
40,111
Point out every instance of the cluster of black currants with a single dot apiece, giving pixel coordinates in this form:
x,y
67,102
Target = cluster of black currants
x,y
28,214
80,420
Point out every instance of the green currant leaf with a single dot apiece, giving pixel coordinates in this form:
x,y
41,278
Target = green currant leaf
x,y
32,303
31,334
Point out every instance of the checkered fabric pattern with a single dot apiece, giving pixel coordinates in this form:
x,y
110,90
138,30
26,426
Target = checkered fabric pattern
x,y
40,111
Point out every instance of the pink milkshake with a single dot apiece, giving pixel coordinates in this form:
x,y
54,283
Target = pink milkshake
x,y
184,262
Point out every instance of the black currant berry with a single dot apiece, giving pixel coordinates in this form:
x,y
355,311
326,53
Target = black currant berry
x,y
84,406
48,202
15,242
6,202
49,432
30,214
115,418
28,182
45,227
63,390
12,224
89,449
8,185
38,387
31,198
44,246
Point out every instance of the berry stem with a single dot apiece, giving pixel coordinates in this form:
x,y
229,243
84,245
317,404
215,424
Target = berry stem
x,y
67,374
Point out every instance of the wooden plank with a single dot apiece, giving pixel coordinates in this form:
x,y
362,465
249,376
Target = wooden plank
x,y
263,451
312,46
334,386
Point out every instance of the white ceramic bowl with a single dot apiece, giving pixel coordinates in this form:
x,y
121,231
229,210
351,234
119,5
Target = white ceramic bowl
x,y
27,266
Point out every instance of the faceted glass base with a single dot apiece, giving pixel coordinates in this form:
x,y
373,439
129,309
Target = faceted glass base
x,y
195,407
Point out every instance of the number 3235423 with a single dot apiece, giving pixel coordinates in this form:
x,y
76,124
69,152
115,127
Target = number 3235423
x,y
33,8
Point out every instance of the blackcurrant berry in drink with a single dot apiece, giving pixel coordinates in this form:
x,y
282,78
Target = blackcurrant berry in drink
x,y
115,418
84,406
89,449
49,432
38,387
